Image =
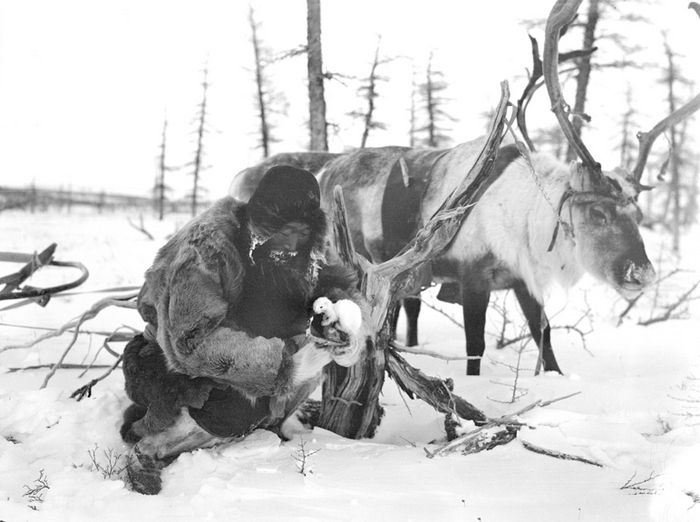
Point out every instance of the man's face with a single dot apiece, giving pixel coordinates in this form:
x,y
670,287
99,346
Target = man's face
x,y
289,239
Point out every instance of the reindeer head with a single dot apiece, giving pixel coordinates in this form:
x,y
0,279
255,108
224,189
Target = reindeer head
x,y
605,228
604,215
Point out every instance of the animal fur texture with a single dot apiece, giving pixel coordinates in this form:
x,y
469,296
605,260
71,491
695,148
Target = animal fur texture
x,y
192,296
344,312
504,243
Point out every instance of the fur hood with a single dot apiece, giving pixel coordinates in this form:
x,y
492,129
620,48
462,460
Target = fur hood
x,y
286,194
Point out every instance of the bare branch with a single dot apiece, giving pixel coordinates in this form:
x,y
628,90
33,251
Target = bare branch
x,y
141,227
126,301
638,487
86,390
668,313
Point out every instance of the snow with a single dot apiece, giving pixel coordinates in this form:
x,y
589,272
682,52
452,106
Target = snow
x,y
636,413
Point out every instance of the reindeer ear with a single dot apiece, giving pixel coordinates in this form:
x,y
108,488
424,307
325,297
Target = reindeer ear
x,y
629,186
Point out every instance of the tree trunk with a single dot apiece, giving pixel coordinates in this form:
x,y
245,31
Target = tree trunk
x,y
260,84
584,74
317,101
199,154
351,395
160,184
674,164
371,95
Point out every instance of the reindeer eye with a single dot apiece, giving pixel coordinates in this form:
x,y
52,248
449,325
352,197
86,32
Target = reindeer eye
x,y
598,216
638,216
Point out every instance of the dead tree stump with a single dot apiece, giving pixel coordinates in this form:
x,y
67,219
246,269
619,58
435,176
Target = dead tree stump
x,y
350,405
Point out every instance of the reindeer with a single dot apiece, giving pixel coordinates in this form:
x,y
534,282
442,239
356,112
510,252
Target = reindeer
x,y
541,222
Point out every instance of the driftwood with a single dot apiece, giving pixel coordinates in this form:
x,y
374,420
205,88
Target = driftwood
x,y
351,395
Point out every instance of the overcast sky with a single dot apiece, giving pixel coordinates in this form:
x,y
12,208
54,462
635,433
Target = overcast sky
x,y
85,85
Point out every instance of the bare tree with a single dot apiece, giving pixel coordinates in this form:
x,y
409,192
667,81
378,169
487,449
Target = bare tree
x,y
197,163
160,189
584,74
627,142
413,110
262,84
317,102
432,96
368,91
677,137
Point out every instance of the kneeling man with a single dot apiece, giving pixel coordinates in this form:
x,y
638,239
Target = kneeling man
x,y
228,302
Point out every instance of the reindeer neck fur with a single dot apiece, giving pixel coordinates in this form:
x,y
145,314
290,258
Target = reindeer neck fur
x,y
513,222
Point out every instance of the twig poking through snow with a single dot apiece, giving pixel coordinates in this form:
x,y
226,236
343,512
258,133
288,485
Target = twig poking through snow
x,y
141,227
302,457
36,493
638,487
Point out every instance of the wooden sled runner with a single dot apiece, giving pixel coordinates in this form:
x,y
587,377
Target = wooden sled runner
x,y
13,288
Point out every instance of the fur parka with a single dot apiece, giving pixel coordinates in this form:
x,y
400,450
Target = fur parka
x,y
193,291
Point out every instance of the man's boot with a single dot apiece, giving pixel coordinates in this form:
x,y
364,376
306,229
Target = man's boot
x,y
143,472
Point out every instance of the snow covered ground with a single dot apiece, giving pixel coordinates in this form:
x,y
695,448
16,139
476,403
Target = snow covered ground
x,y
637,414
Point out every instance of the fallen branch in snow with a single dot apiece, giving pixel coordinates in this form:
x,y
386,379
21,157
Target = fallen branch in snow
x,y
120,302
67,366
113,337
86,390
558,454
483,437
436,392
638,487
127,301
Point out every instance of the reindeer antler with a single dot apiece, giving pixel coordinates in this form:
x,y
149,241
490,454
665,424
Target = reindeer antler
x,y
560,17
646,139
534,83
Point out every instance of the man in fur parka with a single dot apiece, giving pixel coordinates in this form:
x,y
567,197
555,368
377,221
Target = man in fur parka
x,y
228,302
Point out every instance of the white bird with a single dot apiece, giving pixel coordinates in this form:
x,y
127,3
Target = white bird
x,y
346,313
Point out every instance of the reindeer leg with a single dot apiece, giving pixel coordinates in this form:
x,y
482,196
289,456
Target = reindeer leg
x,y
475,302
394,318
412,307
534,313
